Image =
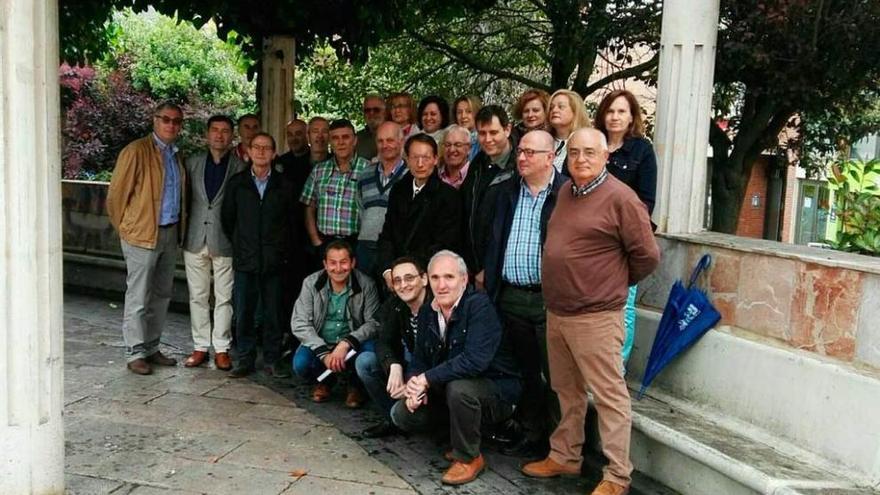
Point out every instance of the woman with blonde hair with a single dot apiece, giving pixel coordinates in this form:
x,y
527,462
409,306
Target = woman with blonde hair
x,y
633,162
567,114
401,109
464,109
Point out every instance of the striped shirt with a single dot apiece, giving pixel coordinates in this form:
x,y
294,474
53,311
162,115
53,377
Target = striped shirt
x,y
335,195
522,256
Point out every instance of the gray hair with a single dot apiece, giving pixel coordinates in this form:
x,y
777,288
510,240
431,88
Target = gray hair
x,y
445,253
603,141
457,128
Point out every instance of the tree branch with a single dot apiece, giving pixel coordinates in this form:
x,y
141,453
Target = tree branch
x,y
470,61
633,71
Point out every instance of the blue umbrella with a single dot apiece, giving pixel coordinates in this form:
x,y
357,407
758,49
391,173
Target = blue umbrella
x,y
687,316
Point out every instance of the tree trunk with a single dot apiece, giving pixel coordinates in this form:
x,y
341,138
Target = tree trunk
x,y
728,190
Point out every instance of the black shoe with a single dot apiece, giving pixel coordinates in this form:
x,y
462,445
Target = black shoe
x,y
382,429
529,449
240,371
276,371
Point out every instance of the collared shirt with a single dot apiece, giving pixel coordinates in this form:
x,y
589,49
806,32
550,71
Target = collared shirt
x,y
457,180
261,183
170,211
501,161
385,179
441,320
522,256
215,173
336,320
417,189
334,194
587,188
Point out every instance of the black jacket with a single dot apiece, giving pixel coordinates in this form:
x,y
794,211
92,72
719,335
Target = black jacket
x,y
635,164
475,346
395,333
419,226
505,207
478,196
262,231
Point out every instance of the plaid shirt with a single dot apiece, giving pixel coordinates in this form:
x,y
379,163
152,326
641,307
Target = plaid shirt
x,y
335,195
522,256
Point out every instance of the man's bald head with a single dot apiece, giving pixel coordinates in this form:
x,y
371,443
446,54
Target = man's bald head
x,y
587,155
296,136
534,158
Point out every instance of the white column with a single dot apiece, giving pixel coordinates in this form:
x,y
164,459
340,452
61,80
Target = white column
x,y
31,334
684,103
276,90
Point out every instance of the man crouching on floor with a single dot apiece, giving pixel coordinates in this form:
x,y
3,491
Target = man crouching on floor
x,y
461,367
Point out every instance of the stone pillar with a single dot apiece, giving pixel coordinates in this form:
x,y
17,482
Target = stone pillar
x,y
276,87
684,104
31,334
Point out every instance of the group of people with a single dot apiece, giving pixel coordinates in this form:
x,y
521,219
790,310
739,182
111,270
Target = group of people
x,y
409,259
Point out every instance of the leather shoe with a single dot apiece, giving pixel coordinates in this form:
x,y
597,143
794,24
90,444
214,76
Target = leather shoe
x,y
222,361
197,358
354,398
321,393
241,371
460,472
140,366
548,468
527,448
276,371
610,488
380,430
161,359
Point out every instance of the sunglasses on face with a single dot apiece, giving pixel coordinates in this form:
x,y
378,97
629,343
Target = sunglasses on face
x,y
169,120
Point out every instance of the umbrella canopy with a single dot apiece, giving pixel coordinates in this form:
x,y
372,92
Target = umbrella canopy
x,y
687,316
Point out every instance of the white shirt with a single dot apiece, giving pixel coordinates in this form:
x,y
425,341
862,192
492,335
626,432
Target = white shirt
x,y
441,320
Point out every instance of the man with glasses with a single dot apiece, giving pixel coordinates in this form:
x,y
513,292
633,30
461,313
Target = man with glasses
x,y
374,114
145,207
599,242
383,372
424,213
374,187
456,148
258,216
513,279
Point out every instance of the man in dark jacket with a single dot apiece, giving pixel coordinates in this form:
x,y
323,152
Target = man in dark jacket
x,y
382,372
460,366
494,164
258,216
513,279
424,213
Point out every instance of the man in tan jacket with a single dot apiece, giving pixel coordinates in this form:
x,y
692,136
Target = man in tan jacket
x,y
145,204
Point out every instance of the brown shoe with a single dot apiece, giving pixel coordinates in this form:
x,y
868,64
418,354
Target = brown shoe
x,y
354,398
460,473
161,359
197,358
548,468
140,366
610,488
321,393
222,361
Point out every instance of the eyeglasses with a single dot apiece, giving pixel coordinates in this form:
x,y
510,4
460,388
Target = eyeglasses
x,y
399,106
587,153
406,279
530,152
262,147
372,109
170,120
459,146
419,158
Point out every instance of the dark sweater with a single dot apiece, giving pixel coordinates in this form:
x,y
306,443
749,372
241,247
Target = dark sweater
x,y
597,246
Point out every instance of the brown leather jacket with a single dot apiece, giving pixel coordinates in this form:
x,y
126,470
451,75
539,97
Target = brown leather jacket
x,y
134,199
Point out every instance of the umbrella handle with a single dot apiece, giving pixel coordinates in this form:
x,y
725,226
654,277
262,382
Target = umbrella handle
x,y
702,265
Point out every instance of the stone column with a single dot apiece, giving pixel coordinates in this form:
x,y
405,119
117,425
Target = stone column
x,y
31,334
276,89
684,104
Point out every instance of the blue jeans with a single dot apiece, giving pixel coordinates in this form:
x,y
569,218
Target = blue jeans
x,y
373,376
307,365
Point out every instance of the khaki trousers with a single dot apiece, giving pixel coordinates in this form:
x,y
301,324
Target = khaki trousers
x,y
584,354
200,267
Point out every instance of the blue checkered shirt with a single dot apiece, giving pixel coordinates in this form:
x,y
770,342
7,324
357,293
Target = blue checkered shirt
x,y
522,257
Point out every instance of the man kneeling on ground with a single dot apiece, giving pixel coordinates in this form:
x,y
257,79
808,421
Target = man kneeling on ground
x,y
383,371
460,366
334,314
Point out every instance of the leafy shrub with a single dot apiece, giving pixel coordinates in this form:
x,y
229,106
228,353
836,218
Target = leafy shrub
x,y
858,206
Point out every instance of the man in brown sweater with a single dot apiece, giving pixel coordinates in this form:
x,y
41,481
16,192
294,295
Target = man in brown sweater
x,y
599,242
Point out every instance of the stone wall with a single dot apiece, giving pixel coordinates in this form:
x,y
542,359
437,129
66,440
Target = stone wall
x,y
821,301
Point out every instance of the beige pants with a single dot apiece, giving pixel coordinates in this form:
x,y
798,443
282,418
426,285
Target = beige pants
x,y
584,354
199,269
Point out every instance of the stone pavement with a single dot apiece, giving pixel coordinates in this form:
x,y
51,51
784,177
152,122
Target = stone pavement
x,y
185,431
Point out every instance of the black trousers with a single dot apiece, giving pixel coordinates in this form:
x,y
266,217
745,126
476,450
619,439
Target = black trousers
x,y
465,404
250,287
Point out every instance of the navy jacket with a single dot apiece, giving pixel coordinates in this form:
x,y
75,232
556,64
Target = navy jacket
x,y
635,164
475,346
505,206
